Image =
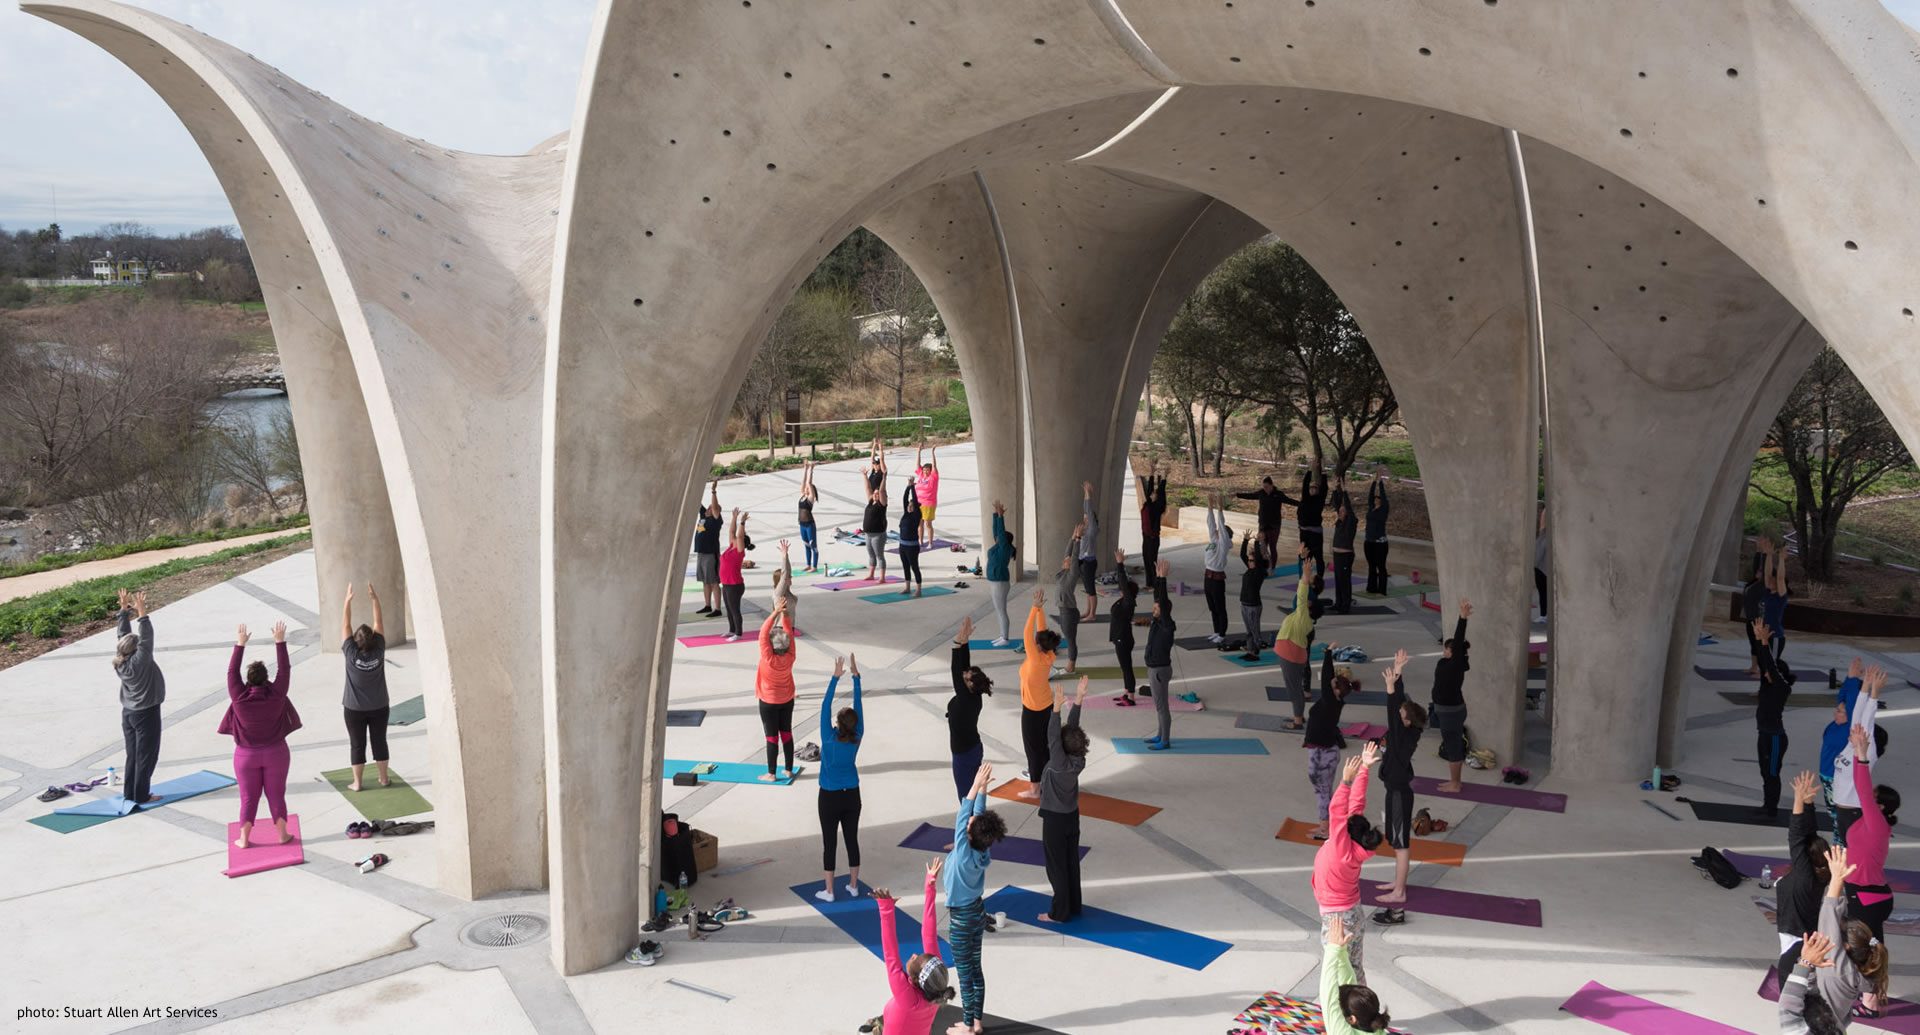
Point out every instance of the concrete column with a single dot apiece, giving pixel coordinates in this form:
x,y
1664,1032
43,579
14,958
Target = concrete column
x,y
1652,372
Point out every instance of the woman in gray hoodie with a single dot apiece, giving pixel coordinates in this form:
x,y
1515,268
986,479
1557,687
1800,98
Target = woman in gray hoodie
x,y
142,688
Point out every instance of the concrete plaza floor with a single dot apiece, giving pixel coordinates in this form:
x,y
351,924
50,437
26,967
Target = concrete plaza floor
x,y
136,913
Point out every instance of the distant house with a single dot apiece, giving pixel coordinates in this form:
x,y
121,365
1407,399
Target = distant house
x,y
119,271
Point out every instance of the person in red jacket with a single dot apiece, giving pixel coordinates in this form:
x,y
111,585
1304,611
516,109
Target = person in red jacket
x,y
1336,864
259,717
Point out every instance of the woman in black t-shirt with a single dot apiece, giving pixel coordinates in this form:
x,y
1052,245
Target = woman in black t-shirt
x,y
970,686
365,701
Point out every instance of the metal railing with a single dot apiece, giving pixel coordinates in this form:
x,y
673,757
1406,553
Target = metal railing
x,y
794,432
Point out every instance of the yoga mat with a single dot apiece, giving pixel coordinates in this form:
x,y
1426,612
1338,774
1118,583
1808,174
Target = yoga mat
x,y
1193,746
859,916
1359,611
1725,675
1364,730
377,802
265,853
406,713
1276,1014
949,1015
1636,1016
1114,930
1023,850
1098,672
1904,882
1412,590
1370,698
727,772
1896,1015
68,824
1291,588
988,645
1105,702
1202,643
855,584
1729,812
894,598
1285,570
938,544
1900,921
1536,646
1268,659
1494,794
1750,699
1092,806
170,791
1265,723
749,639
686,717
1467,905
1425,849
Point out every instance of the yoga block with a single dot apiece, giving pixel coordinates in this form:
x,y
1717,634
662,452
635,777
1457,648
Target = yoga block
x,y
686,779
706,851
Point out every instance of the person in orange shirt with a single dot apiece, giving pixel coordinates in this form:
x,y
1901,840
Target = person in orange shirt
x,y
773,685
1036,693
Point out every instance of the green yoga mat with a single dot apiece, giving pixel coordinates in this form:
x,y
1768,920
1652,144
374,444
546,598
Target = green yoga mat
x,y
407,712
68,824
375,801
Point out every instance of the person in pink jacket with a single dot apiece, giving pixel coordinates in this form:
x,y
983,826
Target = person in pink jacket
x,y
919,986
926,486
1336,865
259,717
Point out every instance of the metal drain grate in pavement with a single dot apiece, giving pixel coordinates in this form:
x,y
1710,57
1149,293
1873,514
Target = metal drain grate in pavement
x,y
505,931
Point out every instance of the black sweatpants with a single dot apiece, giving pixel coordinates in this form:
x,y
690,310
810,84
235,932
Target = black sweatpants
x,y
1060,843
1033,736
1772,748
1216,590
141,730
1311,539
841,810
910,565
1540,584
1343,581
731,595
1089,572
364,725
1123,650
1149,554
1376,566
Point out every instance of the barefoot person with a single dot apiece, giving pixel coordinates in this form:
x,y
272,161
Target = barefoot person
x,y
999,571
706,551
919,986
840,735
976,829
1449,703
970,687
1214,579
259,717
364,705
1323,739
809,531
773,687
1347,1005
1159,659
142,689
926,485
1036,692
1337,862
1405,721
1060,804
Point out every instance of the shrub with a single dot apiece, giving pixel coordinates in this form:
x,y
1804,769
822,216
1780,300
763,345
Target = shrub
x,y
1189,496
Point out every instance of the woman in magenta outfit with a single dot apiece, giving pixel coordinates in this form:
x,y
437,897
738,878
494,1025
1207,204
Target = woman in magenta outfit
x,y
259,717
919,986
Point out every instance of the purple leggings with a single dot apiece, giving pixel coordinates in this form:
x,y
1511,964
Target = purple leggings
x,y
261,769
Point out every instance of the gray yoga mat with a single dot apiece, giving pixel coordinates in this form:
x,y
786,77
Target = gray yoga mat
x,y
1262,721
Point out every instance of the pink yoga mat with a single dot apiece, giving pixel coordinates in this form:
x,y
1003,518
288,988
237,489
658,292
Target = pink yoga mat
x,y
1490,794
1467,905
1364,730
264,854
1636,1016
854,583
1896,1015
1144,705
751,639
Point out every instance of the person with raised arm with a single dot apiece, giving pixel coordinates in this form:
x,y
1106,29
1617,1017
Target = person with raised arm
x,y
877,465
1347,1005
1120,627
1405,721
1773,607
733,579
1159,659
919,986
1796,895
1066,585
976,829
143,687
1345,524
1847,801
911,580
1088,538
1268,516
970,686
839,805
1258,565
809,530
927,487
1214,582
999,569
1449,699
1769,720
1803,1010
1323,739
1153,509
1060,803
1869,897
773,687
706,551
1294,643
365,705
259,717
873,528
1036,692
1833,739
1376,543
783,591
1308,511
1337,862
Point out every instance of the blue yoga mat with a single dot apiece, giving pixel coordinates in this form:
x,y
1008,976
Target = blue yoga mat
x,y
725,772
1140,937
1194,746
1024,850
894,598
170,791
860,917
988,645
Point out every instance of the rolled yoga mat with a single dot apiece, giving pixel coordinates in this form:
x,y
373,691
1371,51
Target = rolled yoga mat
x,y
1023,850
1114,930
407,712
1493,794
1193,746
1743,813
1636,1016
1425,849
374,801
1467,905
1092,806
265,852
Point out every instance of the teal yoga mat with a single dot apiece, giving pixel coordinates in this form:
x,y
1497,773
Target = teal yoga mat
x,y
68,824
1194,746
894,598
725,772
407,712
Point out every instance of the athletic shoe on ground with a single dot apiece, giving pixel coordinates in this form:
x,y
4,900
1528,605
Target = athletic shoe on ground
x,y
1155,739
1025,775
999,642
1389,917
824,894
1214,637
1157,746
1190,697
733,637
1251,657
645,954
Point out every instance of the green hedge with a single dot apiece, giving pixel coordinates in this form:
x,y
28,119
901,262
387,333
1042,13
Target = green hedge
x,y
47,615
56,561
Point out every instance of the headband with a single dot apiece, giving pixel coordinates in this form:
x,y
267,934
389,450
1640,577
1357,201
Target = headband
x,y
933,967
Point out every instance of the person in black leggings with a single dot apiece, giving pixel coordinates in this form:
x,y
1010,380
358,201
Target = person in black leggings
x,y
1120,625
1345,524
1376,536
365,702
1153,508
1310,510
912,581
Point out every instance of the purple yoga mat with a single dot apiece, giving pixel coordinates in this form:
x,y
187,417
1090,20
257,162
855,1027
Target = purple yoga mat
x,y
1023,850
1636,1016
1364,730
1490,794
1896,1015
1905,882
1467,905
854,583
1724,675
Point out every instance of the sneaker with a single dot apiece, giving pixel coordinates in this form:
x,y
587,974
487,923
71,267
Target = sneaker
x,y
999,641
1025,775
1157,746
661,922
645,954
733,637
1214,637
1389,917
1246,657
1155,739
1190,697
824,894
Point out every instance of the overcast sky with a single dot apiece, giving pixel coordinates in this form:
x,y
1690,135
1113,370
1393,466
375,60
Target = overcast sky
x,y
492,76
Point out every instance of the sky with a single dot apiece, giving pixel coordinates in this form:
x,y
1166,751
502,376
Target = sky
x,y
87,143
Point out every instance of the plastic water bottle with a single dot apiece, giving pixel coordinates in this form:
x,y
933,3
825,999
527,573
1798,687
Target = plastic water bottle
x,y
113,777
1766,876
1656,778
683,880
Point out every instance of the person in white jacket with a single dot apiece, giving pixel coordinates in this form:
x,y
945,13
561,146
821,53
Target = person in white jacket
x,y
1219,548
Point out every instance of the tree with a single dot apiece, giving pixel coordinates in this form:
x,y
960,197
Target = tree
x,y
1300,350
1180,371
811,342
1832,442
902,316
848,262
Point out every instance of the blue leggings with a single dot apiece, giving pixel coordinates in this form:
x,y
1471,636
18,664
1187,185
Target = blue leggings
x,y
966,766
964,926
810,536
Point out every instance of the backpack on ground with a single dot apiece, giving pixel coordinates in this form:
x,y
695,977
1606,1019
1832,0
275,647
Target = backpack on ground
x,y
1712,864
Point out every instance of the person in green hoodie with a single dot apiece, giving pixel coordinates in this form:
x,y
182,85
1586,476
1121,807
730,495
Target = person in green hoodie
x,y
1346,1008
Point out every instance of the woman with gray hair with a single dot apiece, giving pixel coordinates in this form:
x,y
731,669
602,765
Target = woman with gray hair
x,y
773,687
142,688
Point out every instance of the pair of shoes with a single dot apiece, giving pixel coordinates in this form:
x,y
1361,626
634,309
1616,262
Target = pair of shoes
x,y
998,641
660,922
1251,656
361,830
646,954
1513,774
1389,917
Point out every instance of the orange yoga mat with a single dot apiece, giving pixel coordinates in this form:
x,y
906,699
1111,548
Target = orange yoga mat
x,y
1093,806
1425,850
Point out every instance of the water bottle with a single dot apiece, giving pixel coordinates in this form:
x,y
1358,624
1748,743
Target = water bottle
x,y
1656,778
113,777
683,880
1766,877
